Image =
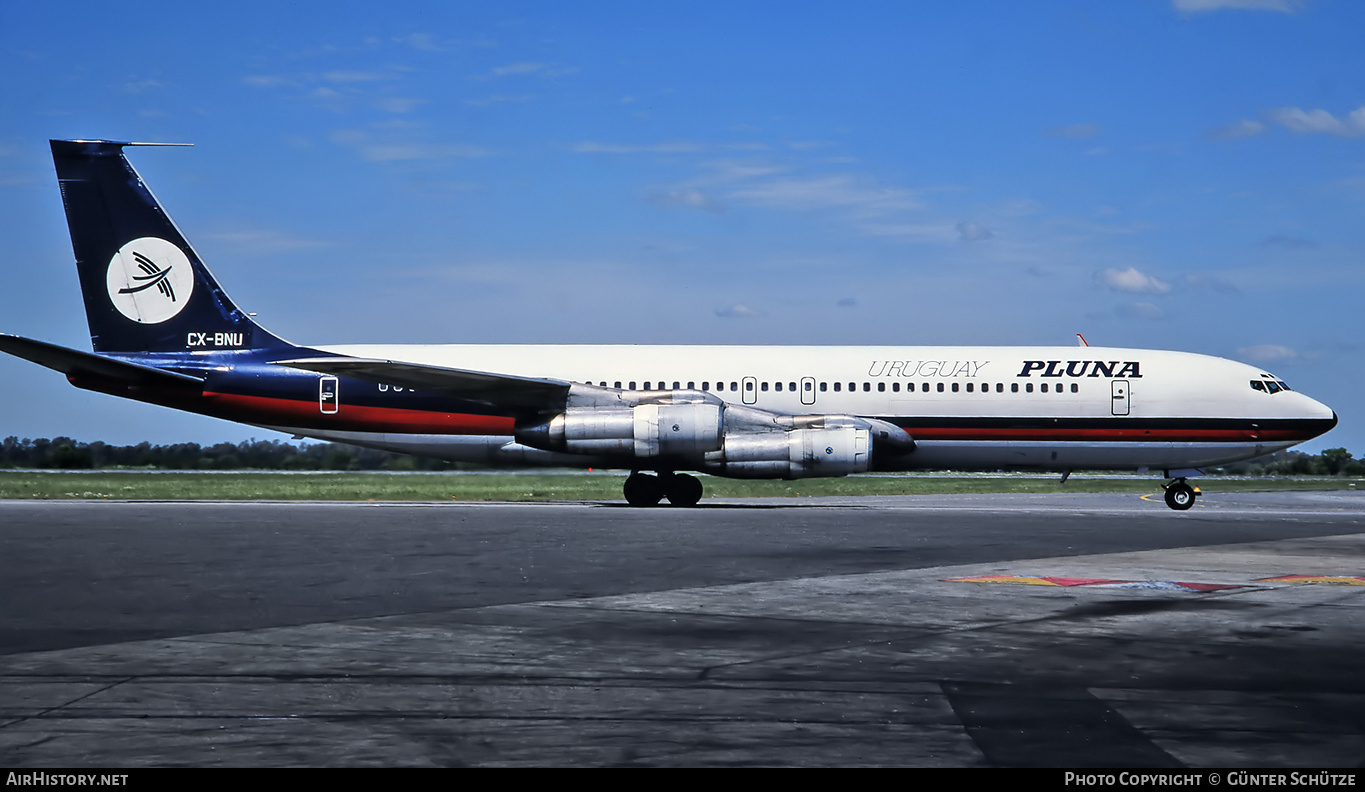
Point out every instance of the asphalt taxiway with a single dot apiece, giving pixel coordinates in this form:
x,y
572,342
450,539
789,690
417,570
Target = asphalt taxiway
x,y
985,630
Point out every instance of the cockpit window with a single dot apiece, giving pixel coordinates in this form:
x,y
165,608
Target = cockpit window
x,y
1269,385
1258,385
1272,386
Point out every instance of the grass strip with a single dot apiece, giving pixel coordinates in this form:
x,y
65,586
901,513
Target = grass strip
x,y
550,486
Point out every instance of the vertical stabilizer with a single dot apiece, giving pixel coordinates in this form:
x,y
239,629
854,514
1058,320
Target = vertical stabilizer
x,y
145,288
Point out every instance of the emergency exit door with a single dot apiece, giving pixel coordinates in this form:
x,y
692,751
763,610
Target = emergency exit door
x,y
327,395
1120,396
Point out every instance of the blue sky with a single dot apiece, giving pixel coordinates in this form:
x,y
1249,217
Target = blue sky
x,y
1180,174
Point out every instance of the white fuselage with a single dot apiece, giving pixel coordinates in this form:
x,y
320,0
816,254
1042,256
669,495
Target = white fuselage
x,y
966,407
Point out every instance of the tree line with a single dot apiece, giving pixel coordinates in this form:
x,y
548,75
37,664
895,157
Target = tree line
x,y
63,453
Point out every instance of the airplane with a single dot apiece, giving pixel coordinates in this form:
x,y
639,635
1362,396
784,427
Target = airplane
x,y
165,332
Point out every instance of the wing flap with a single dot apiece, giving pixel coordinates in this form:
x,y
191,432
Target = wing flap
x,y
496,390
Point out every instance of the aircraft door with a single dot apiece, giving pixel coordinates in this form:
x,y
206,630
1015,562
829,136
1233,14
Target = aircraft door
x,y
808,390
1120,396
750,392
328,399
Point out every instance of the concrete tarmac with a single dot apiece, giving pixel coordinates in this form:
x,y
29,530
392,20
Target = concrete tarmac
x,y
962,631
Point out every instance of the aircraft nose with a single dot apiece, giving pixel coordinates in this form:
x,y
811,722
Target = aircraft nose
x,y
1322,423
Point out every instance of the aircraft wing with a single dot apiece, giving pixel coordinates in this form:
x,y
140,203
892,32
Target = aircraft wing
x,y
84,365
497,390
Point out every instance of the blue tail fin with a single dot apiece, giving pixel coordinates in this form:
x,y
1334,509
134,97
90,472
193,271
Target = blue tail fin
x,y
145,288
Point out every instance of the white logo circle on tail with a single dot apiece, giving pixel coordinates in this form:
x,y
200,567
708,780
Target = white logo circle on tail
x,y
150,280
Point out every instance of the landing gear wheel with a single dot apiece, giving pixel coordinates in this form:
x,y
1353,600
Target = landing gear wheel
x,y
1179,495
682,489
643,490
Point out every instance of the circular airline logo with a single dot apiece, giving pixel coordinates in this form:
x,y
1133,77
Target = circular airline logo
x,y
150,280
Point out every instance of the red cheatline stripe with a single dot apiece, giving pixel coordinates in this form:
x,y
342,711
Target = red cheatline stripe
x,y
265,409
350,417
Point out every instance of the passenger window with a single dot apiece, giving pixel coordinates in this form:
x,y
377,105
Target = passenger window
x,y
895,387
1043,387
810,386
777,386
1075,388
940,387
867,387
823,386
909,387
954,387
999,387
969,387
852,386
1029,388
705,385
837,386
881,387
764,387
791,386
1014,387
632,384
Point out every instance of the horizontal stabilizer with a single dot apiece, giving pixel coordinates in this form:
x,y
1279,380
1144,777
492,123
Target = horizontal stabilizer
x,y
498,390
80,365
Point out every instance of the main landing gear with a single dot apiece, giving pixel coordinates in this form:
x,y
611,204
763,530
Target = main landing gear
x,y
1179,495
643,489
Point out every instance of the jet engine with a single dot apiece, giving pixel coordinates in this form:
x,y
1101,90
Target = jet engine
x,y
695,430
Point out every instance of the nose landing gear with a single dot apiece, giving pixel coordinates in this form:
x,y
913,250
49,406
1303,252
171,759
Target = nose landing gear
x,y
643,489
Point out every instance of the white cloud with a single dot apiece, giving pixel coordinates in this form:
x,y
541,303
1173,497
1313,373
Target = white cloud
x,y
499,99
1131,280
670,147
738,311
1268,353
1204,6
1321,121
393,150
261,241
522,67
686,197
867,198
422,42
529,68
971,232
1142,310
268,80
935,233
1243,128
357,76
138,86
1211,282
666,147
